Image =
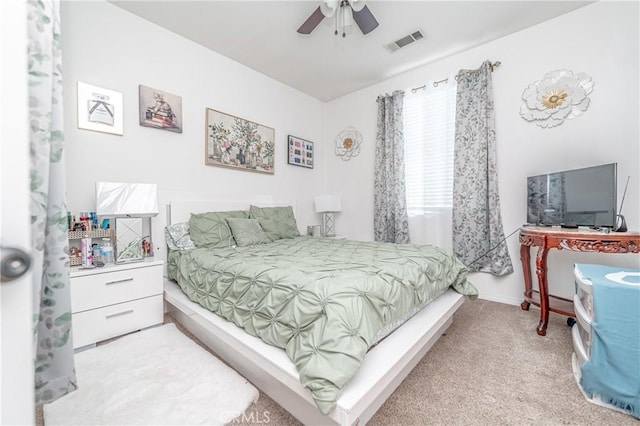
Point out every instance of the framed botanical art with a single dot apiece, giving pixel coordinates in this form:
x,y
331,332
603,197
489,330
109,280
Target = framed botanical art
x,y
160,109
237,143
99,109
300,152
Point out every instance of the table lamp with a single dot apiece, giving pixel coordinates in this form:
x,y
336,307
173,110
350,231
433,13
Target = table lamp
x,y
328,205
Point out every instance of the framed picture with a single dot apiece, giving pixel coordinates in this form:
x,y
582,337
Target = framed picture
x,y
160,109
237,143
300,152
99,109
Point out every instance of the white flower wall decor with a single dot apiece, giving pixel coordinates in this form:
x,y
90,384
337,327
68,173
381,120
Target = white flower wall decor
x,y
559,95
348,143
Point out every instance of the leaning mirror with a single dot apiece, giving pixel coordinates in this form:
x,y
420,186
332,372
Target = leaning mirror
x,y
129,236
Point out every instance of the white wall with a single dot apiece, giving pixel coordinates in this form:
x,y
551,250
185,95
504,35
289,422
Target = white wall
x,y
600,40
108,47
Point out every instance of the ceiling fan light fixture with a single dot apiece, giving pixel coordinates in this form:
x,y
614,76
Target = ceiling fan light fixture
x,y
347,17
328,7
345,13
348,23
357,5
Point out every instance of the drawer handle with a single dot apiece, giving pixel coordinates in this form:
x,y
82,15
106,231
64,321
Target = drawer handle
x,y
117,314
119,281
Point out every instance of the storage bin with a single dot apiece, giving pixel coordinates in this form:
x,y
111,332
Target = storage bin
x,y
606,336
583,308
584,291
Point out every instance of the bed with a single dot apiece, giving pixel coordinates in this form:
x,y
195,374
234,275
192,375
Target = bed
x,y
333,356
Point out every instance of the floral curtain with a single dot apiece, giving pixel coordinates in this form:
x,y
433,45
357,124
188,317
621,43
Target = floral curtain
x,y
478,237
390,220
54,366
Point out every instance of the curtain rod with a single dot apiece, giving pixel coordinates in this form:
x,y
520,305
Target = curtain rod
x,y
493,66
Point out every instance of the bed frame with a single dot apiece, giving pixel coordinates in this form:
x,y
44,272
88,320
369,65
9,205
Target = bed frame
x,y
267,367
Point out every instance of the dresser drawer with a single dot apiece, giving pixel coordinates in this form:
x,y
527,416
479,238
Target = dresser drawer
x,y
117,286
583,323
584,292
578,347
100,324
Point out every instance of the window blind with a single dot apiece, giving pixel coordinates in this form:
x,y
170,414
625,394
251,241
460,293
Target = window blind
x,y
429,128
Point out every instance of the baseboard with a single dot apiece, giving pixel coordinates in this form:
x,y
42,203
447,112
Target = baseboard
x,y
500,299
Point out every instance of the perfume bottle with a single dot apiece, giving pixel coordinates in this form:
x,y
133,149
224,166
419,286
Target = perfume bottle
x,y
86,251
107,251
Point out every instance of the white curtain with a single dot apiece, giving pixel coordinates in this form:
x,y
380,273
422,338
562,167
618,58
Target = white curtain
x,y
429,118
433,228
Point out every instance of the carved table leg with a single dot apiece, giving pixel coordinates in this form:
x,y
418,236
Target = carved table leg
x,y
525,258
541,271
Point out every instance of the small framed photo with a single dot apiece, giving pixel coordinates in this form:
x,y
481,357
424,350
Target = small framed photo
x,y
160,109
300,152
99,109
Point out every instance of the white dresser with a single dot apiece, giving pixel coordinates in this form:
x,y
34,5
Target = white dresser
x,y
114,300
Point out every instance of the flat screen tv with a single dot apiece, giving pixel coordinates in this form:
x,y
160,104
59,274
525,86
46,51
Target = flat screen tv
x,y
572,198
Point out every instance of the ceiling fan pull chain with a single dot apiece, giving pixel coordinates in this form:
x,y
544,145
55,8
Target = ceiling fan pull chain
x,y
345,4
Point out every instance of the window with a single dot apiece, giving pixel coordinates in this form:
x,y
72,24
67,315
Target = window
x,y
429,126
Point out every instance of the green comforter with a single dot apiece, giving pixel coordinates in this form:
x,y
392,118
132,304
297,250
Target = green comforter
x,y
325,301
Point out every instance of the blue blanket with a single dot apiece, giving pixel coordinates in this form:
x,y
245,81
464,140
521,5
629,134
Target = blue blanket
x,y
613,369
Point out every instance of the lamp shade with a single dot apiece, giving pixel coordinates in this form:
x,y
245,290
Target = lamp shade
x,y
357,5
328,203
328,7
126,199
347,17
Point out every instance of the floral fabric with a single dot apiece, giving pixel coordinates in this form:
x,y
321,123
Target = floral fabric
x,y
177,236
54,367
478,237
390,220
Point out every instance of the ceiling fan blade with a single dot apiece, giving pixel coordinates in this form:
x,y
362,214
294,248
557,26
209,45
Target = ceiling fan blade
x,y
365,20
312,22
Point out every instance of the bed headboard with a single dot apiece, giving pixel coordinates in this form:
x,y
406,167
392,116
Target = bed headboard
x,y
176,207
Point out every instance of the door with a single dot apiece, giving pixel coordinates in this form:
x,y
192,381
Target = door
x,y
16,350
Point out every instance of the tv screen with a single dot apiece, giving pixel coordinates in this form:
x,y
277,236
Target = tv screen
x,y
580,197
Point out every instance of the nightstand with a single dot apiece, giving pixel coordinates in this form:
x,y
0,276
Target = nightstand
x,y
114,300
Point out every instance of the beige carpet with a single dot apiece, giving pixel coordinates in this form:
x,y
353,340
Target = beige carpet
x,y
491,368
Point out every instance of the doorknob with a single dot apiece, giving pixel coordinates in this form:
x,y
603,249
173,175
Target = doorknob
x,y
14,264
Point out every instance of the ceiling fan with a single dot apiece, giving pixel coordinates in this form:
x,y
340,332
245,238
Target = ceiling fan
x,y
346,12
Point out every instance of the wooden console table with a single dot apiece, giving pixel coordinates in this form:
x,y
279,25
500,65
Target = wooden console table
x,y
580,240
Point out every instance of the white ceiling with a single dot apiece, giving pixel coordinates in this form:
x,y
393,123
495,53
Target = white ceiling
x,y
262,35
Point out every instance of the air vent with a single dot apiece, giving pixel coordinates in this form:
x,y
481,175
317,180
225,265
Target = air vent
x,y
405,41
